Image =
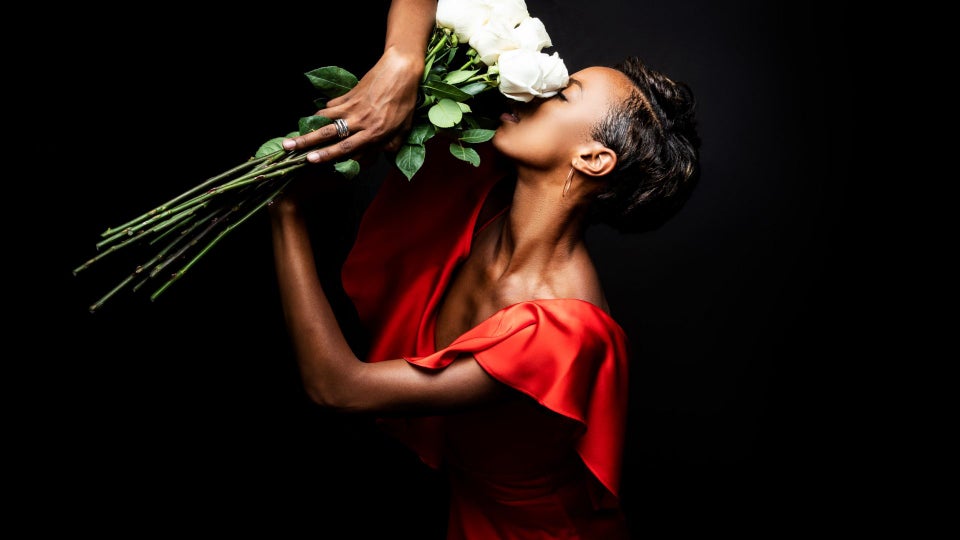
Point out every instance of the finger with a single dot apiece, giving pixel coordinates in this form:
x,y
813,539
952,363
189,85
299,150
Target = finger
x,y
324,134
340,100
340,150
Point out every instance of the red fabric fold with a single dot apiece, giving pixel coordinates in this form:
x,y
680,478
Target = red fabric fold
x,y
567,354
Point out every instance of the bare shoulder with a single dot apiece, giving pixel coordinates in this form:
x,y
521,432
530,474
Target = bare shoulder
x,y
577,279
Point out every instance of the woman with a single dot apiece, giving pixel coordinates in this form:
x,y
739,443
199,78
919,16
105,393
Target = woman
x,y
493,353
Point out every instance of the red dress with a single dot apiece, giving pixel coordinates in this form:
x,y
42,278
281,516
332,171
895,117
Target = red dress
x,y
542,468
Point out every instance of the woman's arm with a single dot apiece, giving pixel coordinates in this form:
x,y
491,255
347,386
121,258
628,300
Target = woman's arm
x,y
379,109
332,374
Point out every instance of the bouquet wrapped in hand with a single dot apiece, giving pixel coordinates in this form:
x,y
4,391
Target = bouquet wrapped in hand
x,y
476,46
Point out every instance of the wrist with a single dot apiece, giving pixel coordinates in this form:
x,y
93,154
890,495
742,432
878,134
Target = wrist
x,y
283,208
406,59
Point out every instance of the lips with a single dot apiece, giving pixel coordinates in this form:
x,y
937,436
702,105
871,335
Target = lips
x,y
510,117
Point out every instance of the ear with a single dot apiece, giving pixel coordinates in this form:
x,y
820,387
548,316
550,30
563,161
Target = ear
x,y
595,159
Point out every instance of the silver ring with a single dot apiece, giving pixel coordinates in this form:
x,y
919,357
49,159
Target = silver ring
x,y
342,129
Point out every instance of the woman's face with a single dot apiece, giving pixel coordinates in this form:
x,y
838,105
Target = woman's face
x,y
545,133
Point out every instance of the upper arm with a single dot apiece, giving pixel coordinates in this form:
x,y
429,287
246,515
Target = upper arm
x,y
399,387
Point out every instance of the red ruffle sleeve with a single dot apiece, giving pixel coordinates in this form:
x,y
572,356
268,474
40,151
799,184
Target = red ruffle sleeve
x,y
566,354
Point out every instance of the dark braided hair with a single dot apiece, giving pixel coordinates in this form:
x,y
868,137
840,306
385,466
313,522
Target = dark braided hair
x,y
654,135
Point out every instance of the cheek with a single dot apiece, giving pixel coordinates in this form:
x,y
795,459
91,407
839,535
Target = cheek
x,y
533,143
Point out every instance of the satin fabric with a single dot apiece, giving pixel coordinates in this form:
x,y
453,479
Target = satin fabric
x,y
543,468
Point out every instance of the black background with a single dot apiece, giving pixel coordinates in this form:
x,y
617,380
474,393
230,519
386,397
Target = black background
x,y
188,412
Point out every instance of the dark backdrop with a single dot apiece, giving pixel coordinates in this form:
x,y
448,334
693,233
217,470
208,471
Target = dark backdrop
x,y
188,412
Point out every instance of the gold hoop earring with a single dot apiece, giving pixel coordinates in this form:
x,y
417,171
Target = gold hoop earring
x,y
566,186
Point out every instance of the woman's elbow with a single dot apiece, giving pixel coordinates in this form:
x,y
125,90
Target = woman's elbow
x,y
319,395
338,395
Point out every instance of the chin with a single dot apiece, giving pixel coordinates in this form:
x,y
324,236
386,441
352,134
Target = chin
x,y
497,140
508,145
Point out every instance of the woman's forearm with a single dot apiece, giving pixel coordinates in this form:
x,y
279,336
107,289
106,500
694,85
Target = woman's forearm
x,y
409,23
326,361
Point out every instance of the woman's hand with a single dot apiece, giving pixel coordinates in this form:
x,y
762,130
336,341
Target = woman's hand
x,y
311,186
378,111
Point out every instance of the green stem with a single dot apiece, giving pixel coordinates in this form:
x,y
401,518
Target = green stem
x,y
191,191
428,63
291,166
136,237
433,51
270,171
473,60
481,77
220,236
257,175
141,269
99,303
183,236
173,229
213,222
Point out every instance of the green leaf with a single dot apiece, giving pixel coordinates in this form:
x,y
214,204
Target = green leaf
x,y
464,107
455,77
272,146
331,81
446,113
465,153
410,159
421,133
450,54
313,123
471,122
292,134
444,90
475,88
474,136
320,103
348,168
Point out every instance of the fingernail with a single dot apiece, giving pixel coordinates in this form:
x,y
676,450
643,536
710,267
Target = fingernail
x,y
289,144
313,156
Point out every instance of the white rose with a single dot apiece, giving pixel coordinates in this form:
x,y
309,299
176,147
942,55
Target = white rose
x,y
526,74
532,35
463,16
508,12
492,39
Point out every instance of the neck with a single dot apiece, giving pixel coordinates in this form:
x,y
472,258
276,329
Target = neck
x,y
543,229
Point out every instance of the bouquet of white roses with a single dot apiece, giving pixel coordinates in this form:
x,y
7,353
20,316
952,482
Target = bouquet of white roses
x,y
476,45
